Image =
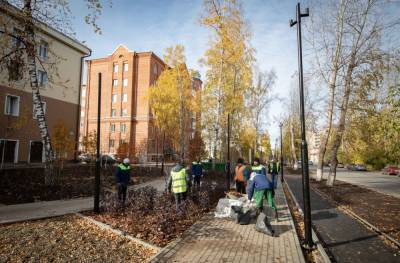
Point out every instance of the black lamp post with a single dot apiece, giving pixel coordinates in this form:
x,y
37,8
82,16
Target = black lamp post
x,y
281,165
304,151
98,160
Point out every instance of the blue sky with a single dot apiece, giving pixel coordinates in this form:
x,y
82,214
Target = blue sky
x,y
151,25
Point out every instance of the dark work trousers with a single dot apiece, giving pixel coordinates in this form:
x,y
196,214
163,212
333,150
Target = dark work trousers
x,y
178,200
122,192
196,180
240,187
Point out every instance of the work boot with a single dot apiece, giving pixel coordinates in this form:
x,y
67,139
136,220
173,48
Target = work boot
x,y
263,225
276,214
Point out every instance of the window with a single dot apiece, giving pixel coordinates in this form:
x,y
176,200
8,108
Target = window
x,y
122,141
125,66
112,127
16,43
155,69
115,68
115,82
113,112
114,98
122,127
43,48
124,97
112,143
12,105
44,110
42,78
124,112
125,82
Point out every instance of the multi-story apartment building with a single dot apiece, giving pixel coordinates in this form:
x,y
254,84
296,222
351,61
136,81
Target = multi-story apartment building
x,y
313,141
59,67
126,118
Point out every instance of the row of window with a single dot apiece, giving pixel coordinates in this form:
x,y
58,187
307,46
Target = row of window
x,y
122,127
16,42
114,98
124,112
12,106
124,82
124,65
111,143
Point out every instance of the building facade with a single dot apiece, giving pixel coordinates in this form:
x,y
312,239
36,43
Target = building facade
x,y
59,67
126,127
313,141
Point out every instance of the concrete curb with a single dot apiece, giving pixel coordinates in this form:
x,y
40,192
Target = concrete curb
x,y
320,248
363,221
298,245
119,232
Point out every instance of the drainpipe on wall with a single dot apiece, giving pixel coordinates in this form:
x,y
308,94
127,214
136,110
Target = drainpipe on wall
x,y
79,106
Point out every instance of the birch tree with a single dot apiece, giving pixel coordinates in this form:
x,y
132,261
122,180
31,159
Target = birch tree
x,y
24,56
363,28
327,21
171,98
229,61
259,96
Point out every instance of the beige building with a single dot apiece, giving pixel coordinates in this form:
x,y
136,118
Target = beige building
x,y
59,70
313,142
127,125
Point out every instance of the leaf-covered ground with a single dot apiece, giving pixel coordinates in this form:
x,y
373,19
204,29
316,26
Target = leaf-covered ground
x,y
378,209
152,216
66,239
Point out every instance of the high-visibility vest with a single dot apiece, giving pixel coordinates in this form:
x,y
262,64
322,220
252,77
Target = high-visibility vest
x,y
123,167
258,169
179,181
271,167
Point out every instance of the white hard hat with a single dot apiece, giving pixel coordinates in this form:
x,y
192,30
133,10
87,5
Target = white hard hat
x,y
126,161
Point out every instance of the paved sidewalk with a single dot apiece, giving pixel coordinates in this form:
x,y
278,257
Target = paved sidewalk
x,y
221,240
38,210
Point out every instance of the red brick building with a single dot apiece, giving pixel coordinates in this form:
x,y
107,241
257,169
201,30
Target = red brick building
x,y
125,110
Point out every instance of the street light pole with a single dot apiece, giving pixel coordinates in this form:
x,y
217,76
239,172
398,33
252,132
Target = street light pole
x,y
304,151
228,170
281,165
97,172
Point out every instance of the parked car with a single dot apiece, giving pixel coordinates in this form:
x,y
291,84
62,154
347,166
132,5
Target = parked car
x,y
340,165
310,163
357,167
350,166
391,170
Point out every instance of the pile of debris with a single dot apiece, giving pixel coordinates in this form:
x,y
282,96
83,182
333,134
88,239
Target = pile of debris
x,y
237,207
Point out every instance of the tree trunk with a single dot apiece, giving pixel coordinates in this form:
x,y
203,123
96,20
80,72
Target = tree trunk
x,y
342,119
331,98
36,98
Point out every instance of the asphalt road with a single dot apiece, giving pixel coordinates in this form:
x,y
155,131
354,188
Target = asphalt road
x,y
386,184
346,239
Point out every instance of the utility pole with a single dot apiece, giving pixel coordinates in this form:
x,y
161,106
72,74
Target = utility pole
x,y
281,165
228,161
97,174
308,244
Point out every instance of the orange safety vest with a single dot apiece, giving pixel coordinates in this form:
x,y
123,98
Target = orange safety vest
x,y
239,173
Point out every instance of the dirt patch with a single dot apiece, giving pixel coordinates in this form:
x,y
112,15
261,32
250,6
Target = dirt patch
x,y
152,217
26,185
66,239
378,209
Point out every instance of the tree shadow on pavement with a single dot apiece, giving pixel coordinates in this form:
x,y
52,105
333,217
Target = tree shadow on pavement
x,y
280,229
359,239
320,215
